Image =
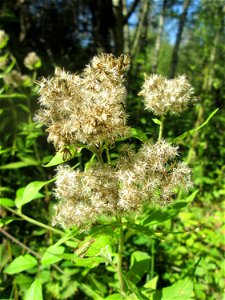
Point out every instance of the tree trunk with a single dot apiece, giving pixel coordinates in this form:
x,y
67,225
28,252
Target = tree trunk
x,y
139,30
102,22
158,38
175,56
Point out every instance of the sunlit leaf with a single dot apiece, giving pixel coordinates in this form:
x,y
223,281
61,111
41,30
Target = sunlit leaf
x,y
21,263
51,255
35,291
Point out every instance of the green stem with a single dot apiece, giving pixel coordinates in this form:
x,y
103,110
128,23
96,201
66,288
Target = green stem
x,y
108,154
120,258
30,220
152,259
161,127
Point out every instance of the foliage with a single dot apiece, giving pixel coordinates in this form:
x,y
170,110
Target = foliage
x,y
168,254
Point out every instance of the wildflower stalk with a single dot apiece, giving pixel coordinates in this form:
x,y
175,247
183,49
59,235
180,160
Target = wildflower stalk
x,y
120,258
161,127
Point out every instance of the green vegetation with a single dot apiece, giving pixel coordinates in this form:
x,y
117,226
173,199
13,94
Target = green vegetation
x,y
162,253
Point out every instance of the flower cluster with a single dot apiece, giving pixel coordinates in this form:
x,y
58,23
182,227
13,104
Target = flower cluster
x,y
89,108
163,95
15,79
146,178
31,60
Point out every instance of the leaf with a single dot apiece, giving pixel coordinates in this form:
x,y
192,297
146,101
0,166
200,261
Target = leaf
x,y
114,297
30,192
159,216
90,262
138,134
35,291
56,160
100,242
7,202
7,220
190,132
25,162
51,255
89,292
132,287
140,265
157,121
182,289
21,263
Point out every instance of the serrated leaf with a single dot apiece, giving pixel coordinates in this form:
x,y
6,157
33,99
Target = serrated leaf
x,y
182,289
140,265
51,255
35,291
20,264
7,202
30,192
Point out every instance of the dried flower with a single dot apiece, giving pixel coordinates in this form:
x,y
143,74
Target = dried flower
x,y
86,109
15,78
31,60
146,178
162,96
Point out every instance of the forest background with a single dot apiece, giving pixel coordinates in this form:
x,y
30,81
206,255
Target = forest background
x,y
168,37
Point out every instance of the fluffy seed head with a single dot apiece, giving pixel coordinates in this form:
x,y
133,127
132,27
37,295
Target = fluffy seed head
x,y
162,96
86,109
31,60
146,178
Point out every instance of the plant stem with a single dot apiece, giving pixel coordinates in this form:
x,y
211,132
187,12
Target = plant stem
x,y
30,220
161,126
108,154
152,259
120,258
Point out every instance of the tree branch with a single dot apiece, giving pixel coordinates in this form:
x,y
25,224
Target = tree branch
x,y
131,10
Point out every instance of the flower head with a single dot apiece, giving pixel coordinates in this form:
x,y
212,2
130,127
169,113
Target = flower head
x,y
86,109
162,96
31,61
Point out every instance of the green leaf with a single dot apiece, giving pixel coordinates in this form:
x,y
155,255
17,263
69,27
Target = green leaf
x,y
56,160
7,220
159,216
182,289
114,297
7,202
138,134
35,291
20,264
28,162
100,242
51,255
89,292
140,265
157,121
190,132
90,262
133,288
30,192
